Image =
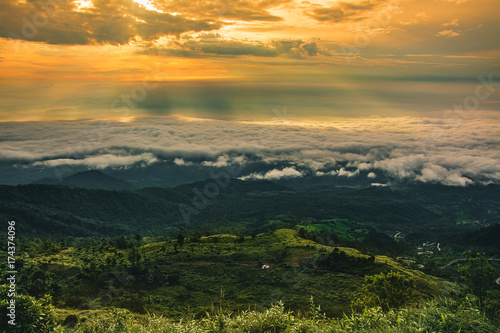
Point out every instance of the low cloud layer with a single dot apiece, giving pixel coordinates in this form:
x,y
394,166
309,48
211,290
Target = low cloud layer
x,y
101,161
274,174
455,151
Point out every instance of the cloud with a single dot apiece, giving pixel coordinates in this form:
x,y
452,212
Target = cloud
x,y
364,166
181,162
106,22
411,149
226,9
208,44
118,22
342,172
457,2
346,173
344,11
439,174
401,167
453,22
101,161
448,33
275,174
221,162
223,47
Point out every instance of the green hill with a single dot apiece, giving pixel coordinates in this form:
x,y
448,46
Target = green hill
x,y
197,275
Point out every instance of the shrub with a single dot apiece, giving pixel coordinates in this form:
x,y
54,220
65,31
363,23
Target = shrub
x,y
391,290
31,314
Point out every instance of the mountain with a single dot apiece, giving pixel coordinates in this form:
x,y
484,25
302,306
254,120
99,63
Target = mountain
x,y
425,213
64,210
485,238
89,179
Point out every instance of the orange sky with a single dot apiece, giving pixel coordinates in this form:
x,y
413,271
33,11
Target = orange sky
x,y
71,45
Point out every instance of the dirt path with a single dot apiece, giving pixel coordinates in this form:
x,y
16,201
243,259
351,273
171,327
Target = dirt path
x,y
451,263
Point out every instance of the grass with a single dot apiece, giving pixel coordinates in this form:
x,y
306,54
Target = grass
x,y
442,315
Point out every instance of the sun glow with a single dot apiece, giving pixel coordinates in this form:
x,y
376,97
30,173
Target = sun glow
x,y
82,5
148,5
126,119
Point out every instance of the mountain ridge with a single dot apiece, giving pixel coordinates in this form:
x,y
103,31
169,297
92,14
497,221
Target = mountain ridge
x,y
93,179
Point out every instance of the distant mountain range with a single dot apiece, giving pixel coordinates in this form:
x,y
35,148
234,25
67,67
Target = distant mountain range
x,y
89,179
94,204
162,175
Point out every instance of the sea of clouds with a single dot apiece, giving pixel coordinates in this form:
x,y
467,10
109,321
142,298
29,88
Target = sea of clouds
x,y
457,150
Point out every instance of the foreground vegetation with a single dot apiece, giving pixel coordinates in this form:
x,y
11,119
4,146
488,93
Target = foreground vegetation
x,y
442,315
227,283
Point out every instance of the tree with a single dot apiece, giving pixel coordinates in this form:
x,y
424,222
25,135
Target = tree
x,y
180,239
391,290
121,243
134,257
478,274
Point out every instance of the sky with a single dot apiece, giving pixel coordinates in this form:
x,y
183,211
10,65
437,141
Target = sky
x,y
335,81
71,59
